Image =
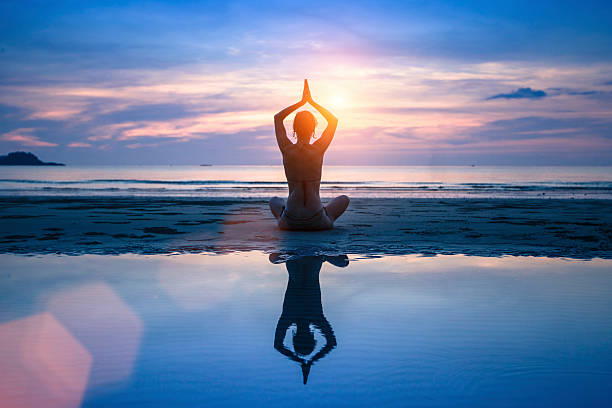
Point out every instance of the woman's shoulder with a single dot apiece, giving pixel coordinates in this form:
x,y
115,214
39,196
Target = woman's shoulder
x,y
295,148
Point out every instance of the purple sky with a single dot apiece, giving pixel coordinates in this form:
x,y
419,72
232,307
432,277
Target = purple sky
x,y
505,82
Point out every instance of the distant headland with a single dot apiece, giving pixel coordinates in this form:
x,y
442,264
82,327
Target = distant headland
x,y
24,159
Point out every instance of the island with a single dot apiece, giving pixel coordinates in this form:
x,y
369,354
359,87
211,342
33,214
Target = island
x,y
24,159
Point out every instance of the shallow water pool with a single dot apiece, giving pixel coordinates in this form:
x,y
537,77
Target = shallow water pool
x,y
252,329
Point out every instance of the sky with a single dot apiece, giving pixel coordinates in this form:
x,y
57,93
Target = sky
x,y
412,82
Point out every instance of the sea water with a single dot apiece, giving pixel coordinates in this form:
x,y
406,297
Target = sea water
x,y
222,331
267,181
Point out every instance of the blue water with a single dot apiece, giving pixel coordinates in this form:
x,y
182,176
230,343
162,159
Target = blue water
x,y
242,329
265,181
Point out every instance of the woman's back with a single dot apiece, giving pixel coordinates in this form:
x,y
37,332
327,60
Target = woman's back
x,y
303,164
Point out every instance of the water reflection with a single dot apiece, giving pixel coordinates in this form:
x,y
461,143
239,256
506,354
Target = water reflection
x,y
302,319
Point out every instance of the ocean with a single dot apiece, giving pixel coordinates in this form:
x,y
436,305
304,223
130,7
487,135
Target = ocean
x,y
355,181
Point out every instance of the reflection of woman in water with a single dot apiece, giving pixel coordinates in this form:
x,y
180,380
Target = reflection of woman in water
x,y
302,308
303,161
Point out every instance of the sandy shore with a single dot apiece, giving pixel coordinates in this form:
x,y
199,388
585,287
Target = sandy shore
x,y
370,227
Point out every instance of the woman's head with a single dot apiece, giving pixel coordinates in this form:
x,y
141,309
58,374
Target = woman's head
x,y
303,340
304,125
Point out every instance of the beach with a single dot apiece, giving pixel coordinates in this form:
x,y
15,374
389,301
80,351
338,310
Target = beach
x,y
169,286
580,229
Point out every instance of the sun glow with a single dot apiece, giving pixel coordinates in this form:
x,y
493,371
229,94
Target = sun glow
x,y
338,101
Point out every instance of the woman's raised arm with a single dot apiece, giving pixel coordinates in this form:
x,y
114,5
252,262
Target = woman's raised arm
x,y
281,134
332,123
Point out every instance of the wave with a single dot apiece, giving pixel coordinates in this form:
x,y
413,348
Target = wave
x,y
366,184
263,188
171,182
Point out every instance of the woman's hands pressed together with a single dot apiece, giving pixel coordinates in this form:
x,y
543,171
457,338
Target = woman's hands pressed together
x,y
326,137
306,97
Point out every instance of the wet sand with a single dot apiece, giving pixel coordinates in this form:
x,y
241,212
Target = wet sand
x,y
579,229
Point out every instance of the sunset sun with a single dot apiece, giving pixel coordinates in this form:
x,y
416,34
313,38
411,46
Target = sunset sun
x,y
338,101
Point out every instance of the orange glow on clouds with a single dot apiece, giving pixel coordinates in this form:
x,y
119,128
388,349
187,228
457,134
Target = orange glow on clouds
x,y
397,106
25,138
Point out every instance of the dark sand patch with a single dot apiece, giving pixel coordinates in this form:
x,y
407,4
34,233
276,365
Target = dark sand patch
x,y
133,236
19,216
50,237
161,230
199,222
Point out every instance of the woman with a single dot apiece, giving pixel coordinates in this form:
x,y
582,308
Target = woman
x,y
303,161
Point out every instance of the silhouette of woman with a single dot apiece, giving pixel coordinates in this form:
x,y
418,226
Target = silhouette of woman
x,y
302,308
303,161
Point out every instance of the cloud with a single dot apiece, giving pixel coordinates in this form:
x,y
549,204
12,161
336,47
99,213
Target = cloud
x,y
521,93
582,129
148,112
139,145
7,111
79,144
24,137
572,92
